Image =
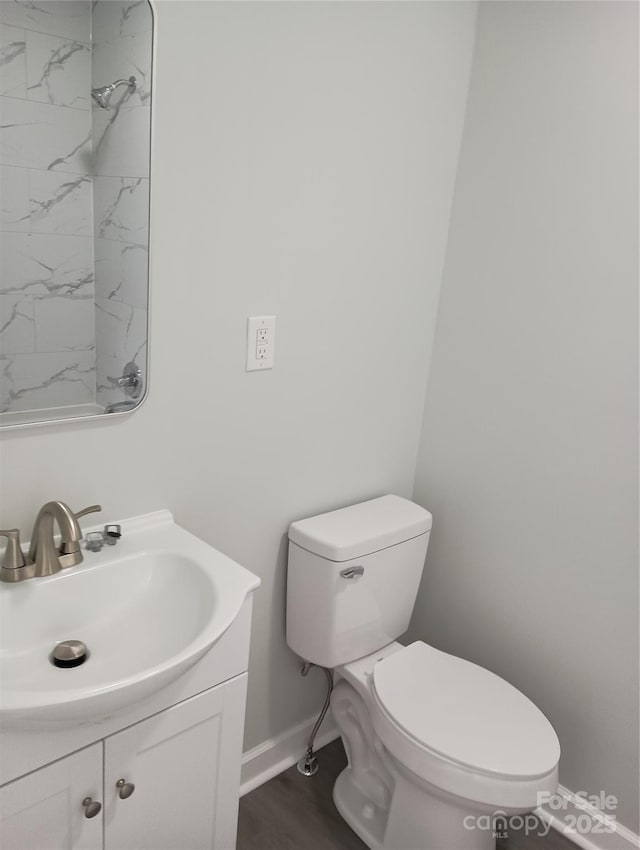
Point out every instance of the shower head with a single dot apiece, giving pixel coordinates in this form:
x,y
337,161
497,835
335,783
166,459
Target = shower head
x,y
102,95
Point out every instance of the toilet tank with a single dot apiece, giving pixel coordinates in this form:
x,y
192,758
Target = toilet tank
x,y
353,577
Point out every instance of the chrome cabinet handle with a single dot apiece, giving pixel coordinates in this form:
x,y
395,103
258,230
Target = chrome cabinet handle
x,y
125,789
91,807
352,572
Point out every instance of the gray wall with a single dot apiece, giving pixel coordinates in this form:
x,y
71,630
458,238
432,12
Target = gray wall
x,y
304,159
529,449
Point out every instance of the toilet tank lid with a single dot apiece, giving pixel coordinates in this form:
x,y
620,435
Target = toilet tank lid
x,y
361,529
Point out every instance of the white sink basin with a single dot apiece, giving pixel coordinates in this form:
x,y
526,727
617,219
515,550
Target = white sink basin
x,y
147,609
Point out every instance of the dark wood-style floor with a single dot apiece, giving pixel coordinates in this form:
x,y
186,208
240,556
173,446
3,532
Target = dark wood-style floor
x,y
293,812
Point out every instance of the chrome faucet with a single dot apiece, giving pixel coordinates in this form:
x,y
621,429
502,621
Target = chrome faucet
x,y
48,558
45,558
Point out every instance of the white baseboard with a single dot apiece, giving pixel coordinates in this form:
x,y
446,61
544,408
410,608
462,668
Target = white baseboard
x,y
274,755
585,825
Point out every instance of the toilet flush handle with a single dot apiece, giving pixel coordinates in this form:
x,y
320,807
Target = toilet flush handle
x,y
352,572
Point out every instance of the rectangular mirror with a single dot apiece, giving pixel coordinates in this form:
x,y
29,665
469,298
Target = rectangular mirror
x,y
75,116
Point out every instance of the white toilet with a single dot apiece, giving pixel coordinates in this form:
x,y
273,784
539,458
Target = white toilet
x,y
436,745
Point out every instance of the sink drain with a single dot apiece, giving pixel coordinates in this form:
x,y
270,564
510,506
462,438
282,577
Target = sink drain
x,y
69,653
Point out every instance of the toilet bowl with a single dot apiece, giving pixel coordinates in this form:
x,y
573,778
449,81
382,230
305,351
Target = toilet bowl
x,y
452,745
438,748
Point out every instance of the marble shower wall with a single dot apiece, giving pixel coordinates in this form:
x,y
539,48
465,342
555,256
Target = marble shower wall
x,y
122,47
74,188
47,321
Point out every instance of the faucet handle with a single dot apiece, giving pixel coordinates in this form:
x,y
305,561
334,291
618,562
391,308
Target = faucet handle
x,y
13,556
15,566
70,553
73,547
92,509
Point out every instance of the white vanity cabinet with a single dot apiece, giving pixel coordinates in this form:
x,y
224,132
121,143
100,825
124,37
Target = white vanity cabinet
x,y
185,766
149,725
181,772
44,809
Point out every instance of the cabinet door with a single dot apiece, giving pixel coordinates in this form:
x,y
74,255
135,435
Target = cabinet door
x,y
185,766
44,811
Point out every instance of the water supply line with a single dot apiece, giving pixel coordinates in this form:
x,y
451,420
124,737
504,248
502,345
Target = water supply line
x,y
308,764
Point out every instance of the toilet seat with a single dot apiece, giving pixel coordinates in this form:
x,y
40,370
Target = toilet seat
x,y
410,750
454,710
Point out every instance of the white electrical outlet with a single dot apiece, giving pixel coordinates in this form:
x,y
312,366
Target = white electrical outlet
x,y
261,337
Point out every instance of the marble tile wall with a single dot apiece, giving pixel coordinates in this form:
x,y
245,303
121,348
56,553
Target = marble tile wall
x,y
74,189
122,45
47,288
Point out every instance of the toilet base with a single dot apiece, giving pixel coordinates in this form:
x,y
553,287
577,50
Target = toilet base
x,y
363,817
414,821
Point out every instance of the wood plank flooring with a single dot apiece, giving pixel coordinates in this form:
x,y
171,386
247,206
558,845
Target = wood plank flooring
x,y
293,812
